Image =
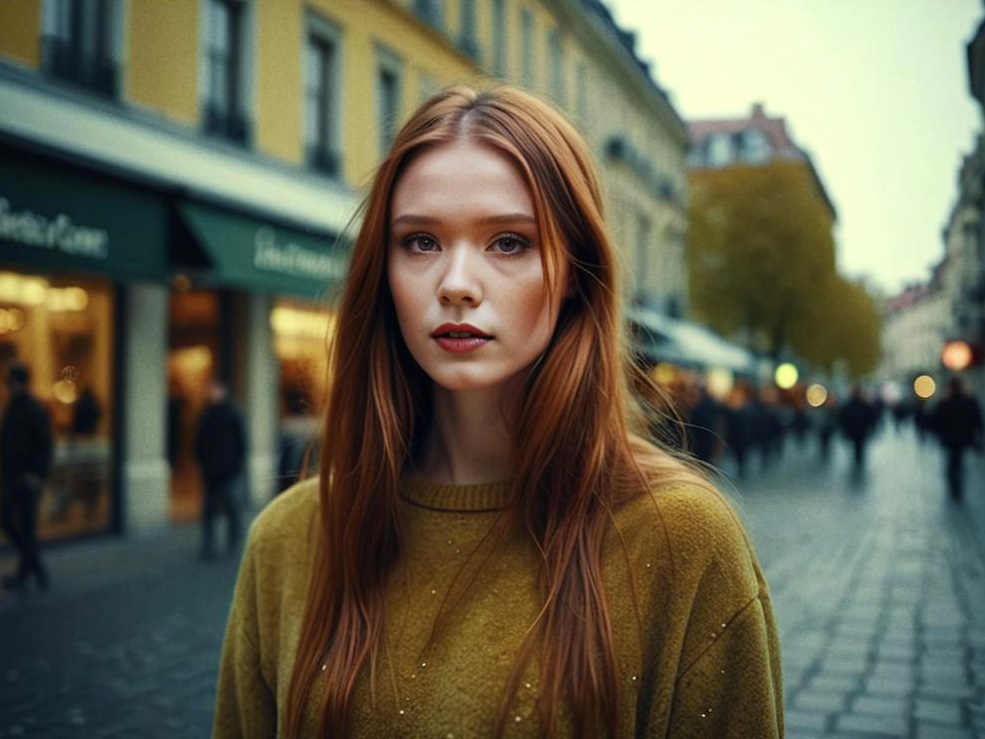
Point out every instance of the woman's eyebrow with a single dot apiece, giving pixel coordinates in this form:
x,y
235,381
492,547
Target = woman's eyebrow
x,y
413,218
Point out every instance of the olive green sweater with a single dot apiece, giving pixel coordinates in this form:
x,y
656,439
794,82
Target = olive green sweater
x,y
703,661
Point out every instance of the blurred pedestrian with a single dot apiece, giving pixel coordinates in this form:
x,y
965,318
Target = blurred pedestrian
x,y
298,443
899,414
921,419
739,427
957,423
704,425
857,420
26,449
87,471
826,421
87,412
220,447
801,424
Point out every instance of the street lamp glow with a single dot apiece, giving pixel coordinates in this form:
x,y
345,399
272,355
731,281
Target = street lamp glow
x,y
786,376
957,355
816,395
924,386
720,382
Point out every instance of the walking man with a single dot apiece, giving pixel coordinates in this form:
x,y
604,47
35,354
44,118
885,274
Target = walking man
x,y
220,447
857,420
957,422
26,447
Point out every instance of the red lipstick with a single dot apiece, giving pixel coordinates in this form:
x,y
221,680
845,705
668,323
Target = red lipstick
x,y
460,337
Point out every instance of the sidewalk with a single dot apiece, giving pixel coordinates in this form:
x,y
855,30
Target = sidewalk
x,y
85,566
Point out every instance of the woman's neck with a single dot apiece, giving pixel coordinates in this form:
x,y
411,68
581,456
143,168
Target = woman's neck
x,y
468,442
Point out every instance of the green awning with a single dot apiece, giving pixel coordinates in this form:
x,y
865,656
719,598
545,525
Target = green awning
x,y
58,217
257,255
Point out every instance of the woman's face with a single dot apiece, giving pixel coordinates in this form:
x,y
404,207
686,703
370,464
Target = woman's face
x,y
464,267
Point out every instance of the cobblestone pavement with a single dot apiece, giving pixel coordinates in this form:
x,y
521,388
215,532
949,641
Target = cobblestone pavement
x,y
878,584
879,592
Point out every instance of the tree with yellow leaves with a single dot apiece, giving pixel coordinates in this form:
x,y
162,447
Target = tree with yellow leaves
x,y
762,266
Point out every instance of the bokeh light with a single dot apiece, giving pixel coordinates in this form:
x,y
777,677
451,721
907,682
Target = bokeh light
x,y
786,376
720,382
957,355
816,395
924,386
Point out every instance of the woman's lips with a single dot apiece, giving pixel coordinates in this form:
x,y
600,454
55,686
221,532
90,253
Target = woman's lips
x,y
460,345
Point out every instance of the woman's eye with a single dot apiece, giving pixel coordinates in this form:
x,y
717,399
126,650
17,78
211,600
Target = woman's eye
x,y
420,243
511,244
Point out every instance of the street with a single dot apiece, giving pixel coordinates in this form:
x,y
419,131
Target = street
x,y
877,581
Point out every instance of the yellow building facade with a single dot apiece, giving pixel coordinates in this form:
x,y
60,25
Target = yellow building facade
x,y
204,158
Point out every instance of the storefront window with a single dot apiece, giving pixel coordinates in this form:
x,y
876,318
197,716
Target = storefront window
x,y
301,334
193,360
62,329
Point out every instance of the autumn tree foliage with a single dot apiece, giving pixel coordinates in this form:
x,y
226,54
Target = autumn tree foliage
x,y
762,267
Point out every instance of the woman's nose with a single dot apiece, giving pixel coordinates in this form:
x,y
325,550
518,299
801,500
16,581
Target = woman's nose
x,y
460,284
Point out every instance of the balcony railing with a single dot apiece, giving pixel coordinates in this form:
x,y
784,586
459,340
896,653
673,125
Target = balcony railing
x,y
65,61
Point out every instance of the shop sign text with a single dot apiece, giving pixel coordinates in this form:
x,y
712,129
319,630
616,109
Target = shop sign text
x,y
291,259
57,233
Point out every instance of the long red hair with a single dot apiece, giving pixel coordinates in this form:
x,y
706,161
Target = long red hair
x,y
580,431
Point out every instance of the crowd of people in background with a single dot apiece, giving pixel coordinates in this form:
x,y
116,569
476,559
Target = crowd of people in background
x,y
751,423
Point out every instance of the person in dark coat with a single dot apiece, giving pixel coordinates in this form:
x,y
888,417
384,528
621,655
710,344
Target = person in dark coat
x,y
220,447
85,419
704,425
26,450
957,423
826,421
857,420
739,428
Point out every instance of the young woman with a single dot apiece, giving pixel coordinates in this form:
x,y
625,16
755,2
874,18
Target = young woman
x,y
493,546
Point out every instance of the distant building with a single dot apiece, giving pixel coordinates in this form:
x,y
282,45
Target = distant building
x,y
757,139
972,193
915,325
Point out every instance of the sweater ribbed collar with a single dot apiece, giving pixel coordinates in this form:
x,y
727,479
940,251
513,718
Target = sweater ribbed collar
x,y
475,498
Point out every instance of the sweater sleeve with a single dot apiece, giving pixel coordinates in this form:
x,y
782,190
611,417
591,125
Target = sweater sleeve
x,y
734,689
245,704
727,682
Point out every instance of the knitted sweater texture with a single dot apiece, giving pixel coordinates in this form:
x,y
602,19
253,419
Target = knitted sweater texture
x,y
692,621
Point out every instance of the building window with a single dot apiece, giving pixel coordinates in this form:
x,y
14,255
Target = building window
x,y
755,147
224,70
80,43
555,63
431,12
322,97
468,41
527,47
388,83
499,37
719,150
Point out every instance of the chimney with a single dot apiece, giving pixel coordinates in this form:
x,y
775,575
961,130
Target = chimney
x,y
757,111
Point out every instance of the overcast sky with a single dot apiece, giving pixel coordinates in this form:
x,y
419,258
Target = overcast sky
x,y
875,90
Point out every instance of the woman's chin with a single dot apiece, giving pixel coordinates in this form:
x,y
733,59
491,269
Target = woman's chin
x,y
463,380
